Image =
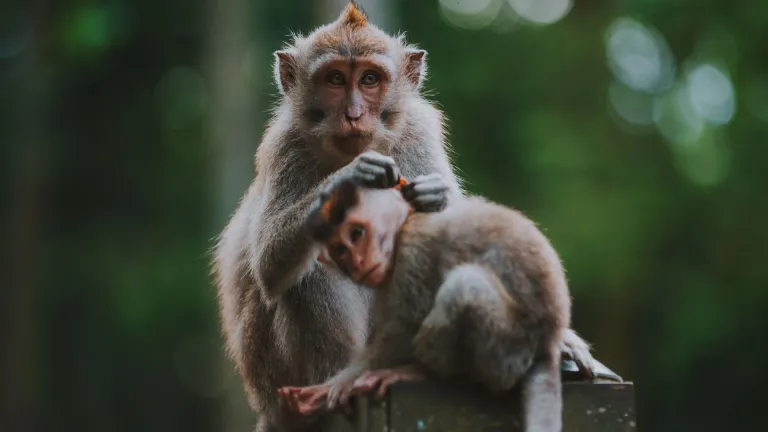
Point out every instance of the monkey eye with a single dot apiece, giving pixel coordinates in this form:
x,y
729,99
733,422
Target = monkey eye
x,y
356,232
335,78
339,250
369,79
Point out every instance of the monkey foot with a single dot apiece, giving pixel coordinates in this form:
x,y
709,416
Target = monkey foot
x,y
304,401
383,378
573,370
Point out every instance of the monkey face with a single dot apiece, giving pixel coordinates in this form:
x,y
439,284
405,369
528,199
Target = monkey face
x,y
349,96
363,244
346,83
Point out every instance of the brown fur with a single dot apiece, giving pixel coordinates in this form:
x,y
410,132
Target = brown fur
x,y
474,291
286,320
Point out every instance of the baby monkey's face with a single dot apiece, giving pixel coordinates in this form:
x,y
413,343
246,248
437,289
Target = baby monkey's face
x,y
363,245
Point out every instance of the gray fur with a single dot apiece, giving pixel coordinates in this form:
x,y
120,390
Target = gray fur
x,y
476,292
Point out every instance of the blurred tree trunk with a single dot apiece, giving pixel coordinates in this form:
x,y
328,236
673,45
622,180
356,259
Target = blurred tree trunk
x,y
233,140
383,13
20,408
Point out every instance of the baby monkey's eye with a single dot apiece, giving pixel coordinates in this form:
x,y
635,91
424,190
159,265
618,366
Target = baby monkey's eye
x,y
369,79
356,232
335,78
338,250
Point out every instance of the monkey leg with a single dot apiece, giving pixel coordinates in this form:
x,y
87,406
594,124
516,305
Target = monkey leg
x,y
472,313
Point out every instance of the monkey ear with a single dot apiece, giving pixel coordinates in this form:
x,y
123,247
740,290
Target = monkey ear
x,y
415,66
285,70
323,259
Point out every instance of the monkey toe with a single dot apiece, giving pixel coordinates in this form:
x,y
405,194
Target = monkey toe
x,y
307,401
394,376
366,383
583,359
429,203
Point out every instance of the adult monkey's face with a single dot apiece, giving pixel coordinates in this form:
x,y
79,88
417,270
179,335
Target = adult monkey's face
x,y
345,83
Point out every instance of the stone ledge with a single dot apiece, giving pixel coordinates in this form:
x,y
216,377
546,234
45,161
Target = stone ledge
x,y
588,406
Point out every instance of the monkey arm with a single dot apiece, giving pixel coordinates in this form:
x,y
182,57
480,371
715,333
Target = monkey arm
x,y
283,251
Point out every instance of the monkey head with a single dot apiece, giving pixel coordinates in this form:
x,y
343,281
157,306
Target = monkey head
x,y
345,85
359,228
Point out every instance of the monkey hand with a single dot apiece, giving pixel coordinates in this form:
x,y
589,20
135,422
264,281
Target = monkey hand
x,y
384,378
339,392
427,193
372,169
307,402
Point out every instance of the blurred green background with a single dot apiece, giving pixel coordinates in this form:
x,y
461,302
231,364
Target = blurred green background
x,y
634,132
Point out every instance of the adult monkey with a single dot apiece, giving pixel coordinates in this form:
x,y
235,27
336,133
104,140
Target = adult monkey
x,y
350,95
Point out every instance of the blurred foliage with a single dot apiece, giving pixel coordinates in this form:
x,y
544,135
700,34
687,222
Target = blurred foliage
x,y
633,132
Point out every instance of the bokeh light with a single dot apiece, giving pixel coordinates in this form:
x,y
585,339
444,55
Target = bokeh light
x,y
470,14
711,92
676,118
639,56
632,106
632,132
87,29
542,11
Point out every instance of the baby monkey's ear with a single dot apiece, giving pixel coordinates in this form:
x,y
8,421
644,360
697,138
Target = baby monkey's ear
x,y
331,209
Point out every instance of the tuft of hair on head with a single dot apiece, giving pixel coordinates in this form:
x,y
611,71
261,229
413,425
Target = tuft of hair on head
x,y
353,16
324,220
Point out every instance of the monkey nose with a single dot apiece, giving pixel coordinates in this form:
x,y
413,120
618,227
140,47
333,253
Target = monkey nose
x,y
354,113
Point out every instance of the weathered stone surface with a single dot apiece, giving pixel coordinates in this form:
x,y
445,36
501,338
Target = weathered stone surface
x,y
598,406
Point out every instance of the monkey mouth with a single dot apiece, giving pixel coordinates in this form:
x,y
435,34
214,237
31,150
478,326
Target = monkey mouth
x,y
353,143
368,274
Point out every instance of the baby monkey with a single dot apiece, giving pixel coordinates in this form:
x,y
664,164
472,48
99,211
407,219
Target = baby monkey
x,y
475,291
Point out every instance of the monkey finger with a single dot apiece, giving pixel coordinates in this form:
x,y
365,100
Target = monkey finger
x,y
313,403
344,396
294,403
417,190
384,386
370,168
369,180
378,173
332,398
284,392
385,162
393,175
429,203
377,158
386,176
432,186
366,383
308,408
